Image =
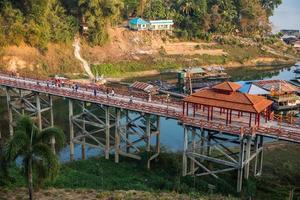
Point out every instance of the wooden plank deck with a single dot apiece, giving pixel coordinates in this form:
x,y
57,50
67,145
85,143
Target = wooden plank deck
x,y
158,106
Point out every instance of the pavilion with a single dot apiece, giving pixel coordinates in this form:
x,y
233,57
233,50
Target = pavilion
x,y
226,98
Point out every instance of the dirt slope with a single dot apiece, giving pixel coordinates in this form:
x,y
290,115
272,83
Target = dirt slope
x,y
58,59
127,44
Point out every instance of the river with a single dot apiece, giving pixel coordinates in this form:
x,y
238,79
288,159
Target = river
x,y
171,131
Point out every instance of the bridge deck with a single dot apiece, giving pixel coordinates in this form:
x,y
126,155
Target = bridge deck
x,y
171,109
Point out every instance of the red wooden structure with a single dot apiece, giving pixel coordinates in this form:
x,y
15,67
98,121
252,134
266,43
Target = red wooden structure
x,y
228,101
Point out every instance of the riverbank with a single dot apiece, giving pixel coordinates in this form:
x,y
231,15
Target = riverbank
x,y
103,177
89,194
126,71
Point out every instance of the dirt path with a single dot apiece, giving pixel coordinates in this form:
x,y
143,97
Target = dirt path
x,y
85,64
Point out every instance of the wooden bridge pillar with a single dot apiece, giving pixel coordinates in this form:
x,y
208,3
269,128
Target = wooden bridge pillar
x,y
136,131
247,156
71,129
10,114
213,153
52,122
185,148
38,111
148,132
117,135
23,102
127,131
241,165
83,146
107,132
259,158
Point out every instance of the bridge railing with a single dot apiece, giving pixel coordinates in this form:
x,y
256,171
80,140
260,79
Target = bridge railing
x,y
81,95
100,88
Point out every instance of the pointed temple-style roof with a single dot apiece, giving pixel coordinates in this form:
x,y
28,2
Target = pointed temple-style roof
x,y
234,100
227,86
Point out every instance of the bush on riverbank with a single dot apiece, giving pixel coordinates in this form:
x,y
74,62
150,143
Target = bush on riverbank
x,y
280,175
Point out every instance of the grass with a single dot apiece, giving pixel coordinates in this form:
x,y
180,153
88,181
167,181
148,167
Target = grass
x,y
163,63
280,175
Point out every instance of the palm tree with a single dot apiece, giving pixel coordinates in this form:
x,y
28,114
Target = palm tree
x,y
33,147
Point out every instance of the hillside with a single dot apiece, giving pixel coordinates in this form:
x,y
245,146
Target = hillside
x,y
129,53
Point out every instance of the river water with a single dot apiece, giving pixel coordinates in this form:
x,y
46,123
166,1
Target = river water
x,y
171,131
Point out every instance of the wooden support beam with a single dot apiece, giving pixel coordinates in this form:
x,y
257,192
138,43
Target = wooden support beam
x,y
10,114
256,157
187,108
71,130
38,111
192,164
52,140
240,168
83,145
185,147
107,132
127,131
227,116
148,132
247,157
117,135
194,110
261,143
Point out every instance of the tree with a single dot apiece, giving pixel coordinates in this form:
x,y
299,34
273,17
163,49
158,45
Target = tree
x,y
270,5
3,164
253,17
32,146
98,15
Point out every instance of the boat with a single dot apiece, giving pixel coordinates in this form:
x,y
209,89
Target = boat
x,y
297,71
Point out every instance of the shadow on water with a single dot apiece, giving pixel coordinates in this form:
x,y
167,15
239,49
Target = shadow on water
x,y
171,131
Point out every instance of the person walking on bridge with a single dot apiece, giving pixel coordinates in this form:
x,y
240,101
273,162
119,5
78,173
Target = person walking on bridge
x,y
112,92
131,99
107,92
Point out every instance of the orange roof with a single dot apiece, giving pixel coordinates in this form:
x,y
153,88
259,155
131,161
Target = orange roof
x,y
234,100
227,86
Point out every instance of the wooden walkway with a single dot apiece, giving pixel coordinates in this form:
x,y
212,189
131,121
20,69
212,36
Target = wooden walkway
x,y
157,106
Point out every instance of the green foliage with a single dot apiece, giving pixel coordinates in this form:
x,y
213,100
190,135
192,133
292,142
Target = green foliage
x,y
38,22
32,146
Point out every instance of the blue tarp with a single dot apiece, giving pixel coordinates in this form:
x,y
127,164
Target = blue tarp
x,y
250,88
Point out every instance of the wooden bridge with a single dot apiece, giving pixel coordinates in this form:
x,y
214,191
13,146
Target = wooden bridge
x,y
124,122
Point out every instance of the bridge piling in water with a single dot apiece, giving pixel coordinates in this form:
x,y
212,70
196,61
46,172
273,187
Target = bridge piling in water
x,y
207,152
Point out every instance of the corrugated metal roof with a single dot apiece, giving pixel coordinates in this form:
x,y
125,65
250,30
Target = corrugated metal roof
x,y
279,86
161,22
194,70
138,21
142,86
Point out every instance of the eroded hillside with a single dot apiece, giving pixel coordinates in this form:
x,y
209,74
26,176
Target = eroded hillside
x,y
131,51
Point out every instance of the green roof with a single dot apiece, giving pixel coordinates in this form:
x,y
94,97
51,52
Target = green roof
x,y
195,70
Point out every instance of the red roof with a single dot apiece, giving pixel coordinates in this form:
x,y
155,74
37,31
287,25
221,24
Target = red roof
x,y
234,100
227,86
